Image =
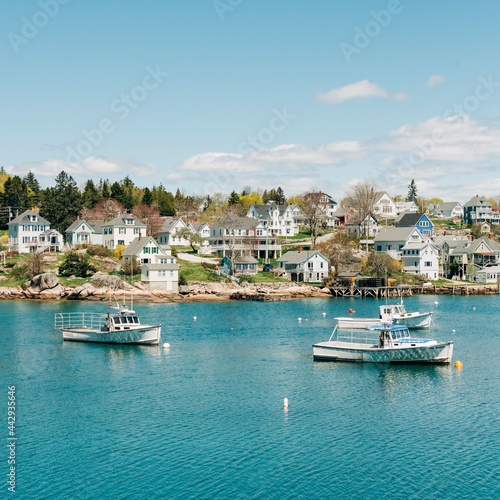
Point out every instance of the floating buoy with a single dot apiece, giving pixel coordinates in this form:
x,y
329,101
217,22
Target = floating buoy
x,y
436,303
299,319
285,402
166,345
194,318
453,331
350,311
473,308
324,314
458,364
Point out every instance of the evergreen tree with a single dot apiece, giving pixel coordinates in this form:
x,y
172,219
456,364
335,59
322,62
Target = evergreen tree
x,y
128,193
233,199
412,191
117,192
280,196
104,188
61,204
164,200
147,197
33,189
90,195
16,194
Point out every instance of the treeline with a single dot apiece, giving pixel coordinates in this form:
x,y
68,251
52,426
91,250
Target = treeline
x,y
65,201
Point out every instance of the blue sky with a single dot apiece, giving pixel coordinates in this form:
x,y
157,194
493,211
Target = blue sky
x,y
215,95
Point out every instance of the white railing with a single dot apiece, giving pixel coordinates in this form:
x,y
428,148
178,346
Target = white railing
x,y
355,336
92,321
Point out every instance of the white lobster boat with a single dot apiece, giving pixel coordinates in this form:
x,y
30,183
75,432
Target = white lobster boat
x,y
389,313
122,326
382,344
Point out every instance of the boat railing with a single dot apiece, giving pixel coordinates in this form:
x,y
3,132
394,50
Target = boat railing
x,y
355,336
92,321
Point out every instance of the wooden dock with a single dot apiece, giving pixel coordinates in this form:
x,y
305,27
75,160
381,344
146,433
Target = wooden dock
x,y
370,291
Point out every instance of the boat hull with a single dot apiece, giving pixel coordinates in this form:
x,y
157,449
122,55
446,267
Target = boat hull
x,y
439,353
146,335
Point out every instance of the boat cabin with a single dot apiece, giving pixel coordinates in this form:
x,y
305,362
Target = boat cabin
x,y
397,336
122,321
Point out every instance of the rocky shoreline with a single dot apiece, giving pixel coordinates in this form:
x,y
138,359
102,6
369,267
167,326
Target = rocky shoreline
x,y
102,287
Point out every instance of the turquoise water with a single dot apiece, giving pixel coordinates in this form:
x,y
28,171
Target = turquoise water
x,y
205,419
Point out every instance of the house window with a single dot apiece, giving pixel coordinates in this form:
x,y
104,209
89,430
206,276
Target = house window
x,y
122,230
428,264
121,242
310,265
136,230
321,265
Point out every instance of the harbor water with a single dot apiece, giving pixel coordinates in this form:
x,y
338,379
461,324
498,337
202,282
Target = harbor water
x,y
206,418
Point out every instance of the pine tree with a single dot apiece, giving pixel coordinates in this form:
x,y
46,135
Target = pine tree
x,y
90,195
147,197
233,199
412,191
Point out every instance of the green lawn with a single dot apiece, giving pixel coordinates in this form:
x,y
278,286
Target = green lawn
x,y
192,271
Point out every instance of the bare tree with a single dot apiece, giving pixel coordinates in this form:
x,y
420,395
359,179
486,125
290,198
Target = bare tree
x,y
339,250
314,212
104,211
229,222
361,197
149,216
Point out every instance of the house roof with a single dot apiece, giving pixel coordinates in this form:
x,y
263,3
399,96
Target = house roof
x,y
379,195
449,205
469,247
489,269
408,219
451,239
95,226
137,244
343,211
24,217
198,226
295,257
169,223
418,245
246,260
477,201
394,233
120,221
238,223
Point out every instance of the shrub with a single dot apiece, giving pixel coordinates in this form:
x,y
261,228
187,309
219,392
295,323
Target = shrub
x,y
118,251
182,280
76,265
99,251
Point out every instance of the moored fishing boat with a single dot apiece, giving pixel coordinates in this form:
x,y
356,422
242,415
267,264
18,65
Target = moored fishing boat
x,y
389,313
122,326
384,343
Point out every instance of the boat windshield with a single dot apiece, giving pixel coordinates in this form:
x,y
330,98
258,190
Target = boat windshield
x,y
399,333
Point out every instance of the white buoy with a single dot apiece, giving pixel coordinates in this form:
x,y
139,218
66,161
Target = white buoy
x,y
194,318
299,319
436,303
453,331
285,402
166,345
324,314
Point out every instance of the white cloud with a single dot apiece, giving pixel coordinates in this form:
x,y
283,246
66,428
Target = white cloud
x,y
441,151
358,90
89,167
435,81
